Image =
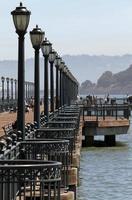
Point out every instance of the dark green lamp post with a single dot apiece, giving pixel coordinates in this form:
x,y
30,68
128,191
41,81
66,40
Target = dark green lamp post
x,y
37,36
46,48
21,17
57,64
52,57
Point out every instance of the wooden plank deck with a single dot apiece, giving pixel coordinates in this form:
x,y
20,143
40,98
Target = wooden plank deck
x,y
9,117
108,121
6,118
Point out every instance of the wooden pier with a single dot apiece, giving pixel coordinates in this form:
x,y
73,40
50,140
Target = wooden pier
x,y
106,120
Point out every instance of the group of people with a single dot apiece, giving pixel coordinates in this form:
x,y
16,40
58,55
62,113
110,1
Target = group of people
x,y
91,100
107,99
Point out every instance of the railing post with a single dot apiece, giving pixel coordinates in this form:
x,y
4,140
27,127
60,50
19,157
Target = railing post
x,y
116,111
15,89
101,112
12,88
7,84
96,112
3,89
83,113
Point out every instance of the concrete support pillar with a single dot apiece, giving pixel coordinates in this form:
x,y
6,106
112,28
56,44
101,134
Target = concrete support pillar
x,y
110,140
76,159
73,180
69,195
89,141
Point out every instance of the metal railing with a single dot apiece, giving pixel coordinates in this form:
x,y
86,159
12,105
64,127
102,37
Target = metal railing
x,y
23,179
49,149
59,133
64,118
8,106
56,150
55,142
62,124
116,111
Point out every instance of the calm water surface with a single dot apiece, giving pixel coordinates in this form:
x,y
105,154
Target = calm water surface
x,y
106,172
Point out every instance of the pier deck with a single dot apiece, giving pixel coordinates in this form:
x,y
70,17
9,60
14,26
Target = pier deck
x,y
6,118
108,122
108,127
10,117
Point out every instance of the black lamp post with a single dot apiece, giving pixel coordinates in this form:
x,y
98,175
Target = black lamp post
x,y
3,88
61,82
32,89
74,89
29,89
15,89
12,89
64,85
57,64
26,90
46,49
68,87
7,84
36,36
21,17
52,57
77,86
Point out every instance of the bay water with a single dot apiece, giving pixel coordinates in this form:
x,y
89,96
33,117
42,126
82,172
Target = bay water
x,y
106,172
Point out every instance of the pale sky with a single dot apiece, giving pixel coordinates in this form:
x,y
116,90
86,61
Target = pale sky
x,y
73,26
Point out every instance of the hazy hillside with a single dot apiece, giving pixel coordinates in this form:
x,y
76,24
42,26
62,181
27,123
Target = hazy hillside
x,y
119,83
8,68
82,66
91,67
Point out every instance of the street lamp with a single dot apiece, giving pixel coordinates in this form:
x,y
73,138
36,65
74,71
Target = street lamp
x,y
37,36
46,49
12,89
61,82
7,84
15,89
64,84
3,90
68,87
26,90
57,64
52,57
30,90
21,17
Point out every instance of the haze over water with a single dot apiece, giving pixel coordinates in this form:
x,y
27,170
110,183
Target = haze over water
x,y
106,172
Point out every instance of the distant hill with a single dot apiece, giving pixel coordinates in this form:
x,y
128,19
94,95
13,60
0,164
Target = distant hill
x,y
82,66
8,68
118,83
91,67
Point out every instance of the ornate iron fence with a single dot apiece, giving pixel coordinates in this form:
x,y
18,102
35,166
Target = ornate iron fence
x,y
59,133
22,179
62,124
107,110
56,150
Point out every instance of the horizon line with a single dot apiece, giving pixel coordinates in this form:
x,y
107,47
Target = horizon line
x,y
74,55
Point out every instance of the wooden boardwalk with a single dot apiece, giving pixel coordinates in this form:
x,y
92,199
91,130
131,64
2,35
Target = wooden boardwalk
x,y
10,117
